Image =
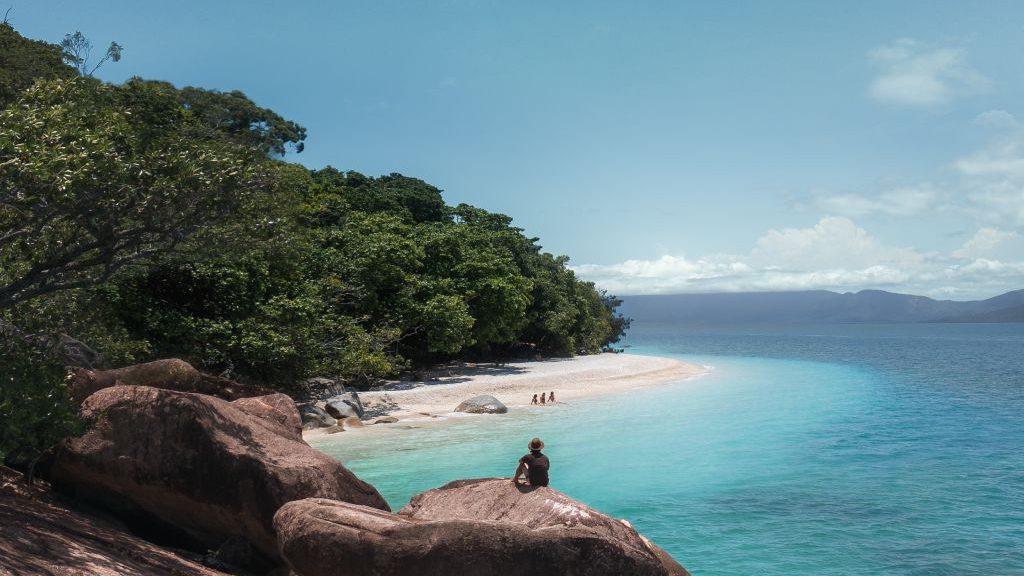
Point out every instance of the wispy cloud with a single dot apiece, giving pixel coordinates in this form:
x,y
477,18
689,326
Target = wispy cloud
x,y
993,177
902,201
987,184
985,243
834,254
911,73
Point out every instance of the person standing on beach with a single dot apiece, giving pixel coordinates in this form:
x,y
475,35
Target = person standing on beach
x,y
551,397
534,401
534,465
542,394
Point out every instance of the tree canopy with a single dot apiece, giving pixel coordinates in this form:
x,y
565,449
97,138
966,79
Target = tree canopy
x,y
94,177
23,61
154,221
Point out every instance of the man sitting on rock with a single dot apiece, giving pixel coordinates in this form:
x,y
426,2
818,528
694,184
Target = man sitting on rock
x,y
535,465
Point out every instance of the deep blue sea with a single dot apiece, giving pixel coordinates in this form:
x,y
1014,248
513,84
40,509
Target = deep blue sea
x,y
808,450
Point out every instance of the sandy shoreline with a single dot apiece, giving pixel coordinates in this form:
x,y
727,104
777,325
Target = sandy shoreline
x,y
514,384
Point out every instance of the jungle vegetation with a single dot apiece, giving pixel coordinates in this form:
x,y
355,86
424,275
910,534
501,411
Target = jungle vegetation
x,y
151,221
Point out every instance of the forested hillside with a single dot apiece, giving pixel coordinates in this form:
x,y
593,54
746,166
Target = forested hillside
x,y
151,221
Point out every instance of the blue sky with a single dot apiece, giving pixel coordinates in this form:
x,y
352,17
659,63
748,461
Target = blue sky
x,y
664,146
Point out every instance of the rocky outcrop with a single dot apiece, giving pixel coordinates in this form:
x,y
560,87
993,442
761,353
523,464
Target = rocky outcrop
x,y
278,408
201,465
474,527
315,389
42,537
340,410
170,374
485,404
314,417
75,353
350,397
383,420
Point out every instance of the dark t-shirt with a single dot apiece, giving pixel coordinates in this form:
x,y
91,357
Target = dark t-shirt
x,y
537,468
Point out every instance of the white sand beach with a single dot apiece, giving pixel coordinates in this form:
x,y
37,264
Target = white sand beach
x,y
515,383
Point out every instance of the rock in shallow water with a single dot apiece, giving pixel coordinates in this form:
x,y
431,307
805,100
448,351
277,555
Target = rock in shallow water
x,y
485,404
203,465
472,527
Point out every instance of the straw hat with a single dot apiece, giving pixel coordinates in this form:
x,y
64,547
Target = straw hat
x,y
535,444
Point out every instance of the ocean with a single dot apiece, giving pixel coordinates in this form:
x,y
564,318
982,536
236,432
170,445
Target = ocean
x,y
809,449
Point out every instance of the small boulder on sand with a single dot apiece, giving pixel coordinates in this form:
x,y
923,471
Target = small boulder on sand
x,y
340,410
485,404
383,420
314,417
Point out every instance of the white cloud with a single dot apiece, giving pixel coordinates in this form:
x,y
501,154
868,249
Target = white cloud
x,y
1005,159
985,242
999,119
833,243
992,178
903,201
914,74
987,188
834,254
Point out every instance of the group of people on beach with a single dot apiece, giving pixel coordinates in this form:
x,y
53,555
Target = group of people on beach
x,y
545,398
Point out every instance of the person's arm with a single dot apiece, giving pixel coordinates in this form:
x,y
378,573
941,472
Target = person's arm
x,y
521,470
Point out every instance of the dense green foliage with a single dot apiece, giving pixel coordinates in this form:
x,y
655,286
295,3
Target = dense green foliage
x,y
362,293
23,61
153,221
95,177
35,410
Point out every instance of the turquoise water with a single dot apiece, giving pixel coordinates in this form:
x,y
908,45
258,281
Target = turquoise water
x,y
817,450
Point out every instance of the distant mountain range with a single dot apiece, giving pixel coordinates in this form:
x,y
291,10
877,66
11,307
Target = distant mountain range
x,y
820,306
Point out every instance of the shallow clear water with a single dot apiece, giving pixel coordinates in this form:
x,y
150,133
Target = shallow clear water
x,y
839,449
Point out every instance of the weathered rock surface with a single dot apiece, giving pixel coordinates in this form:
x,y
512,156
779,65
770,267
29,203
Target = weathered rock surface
x,y
314,417
278,408
384,420
350,397
314,389
472,527
41,537
340,410
485,404
200,464
74,352
539,508
170,374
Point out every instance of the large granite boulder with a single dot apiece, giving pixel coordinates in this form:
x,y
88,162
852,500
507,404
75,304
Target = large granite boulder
x,y
169,374
75,353
316,389
340,410
203,466
350,397
485,404
48,539
473,527
278,408
315,417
